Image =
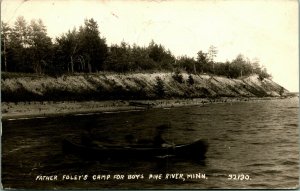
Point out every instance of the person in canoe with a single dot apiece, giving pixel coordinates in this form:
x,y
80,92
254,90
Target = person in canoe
x,y
158,140
88,136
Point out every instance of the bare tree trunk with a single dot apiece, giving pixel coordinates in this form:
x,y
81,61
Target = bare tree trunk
x,y
90,67
72,61
37,67
82,66
72,64
82,63
4,51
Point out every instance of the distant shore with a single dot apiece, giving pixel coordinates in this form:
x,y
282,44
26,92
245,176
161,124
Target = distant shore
x,y
17,110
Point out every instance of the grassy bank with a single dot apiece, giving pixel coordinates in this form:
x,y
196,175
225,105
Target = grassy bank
x,y
136,86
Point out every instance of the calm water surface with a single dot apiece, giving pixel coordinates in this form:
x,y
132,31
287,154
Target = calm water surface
x,y
257,138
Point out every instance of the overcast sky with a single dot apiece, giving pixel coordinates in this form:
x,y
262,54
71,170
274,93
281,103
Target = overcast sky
x,y
267,30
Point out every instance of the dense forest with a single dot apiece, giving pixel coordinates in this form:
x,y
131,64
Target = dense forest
x,y
26,48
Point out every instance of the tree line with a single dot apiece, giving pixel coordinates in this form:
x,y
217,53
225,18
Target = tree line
x,y
26,48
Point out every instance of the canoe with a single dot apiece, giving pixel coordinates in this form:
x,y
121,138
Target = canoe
x,y
194,150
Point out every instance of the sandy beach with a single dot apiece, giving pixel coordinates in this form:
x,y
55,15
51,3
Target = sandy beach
x,y
14,110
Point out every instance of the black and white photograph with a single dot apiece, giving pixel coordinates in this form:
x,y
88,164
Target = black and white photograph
x,y
149,94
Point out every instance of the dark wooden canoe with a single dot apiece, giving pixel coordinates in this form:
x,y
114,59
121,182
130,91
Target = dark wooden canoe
x,y
195,150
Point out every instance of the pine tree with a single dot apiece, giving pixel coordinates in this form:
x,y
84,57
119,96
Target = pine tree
x,y
92,48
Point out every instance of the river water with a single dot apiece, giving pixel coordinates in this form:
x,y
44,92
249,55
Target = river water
x,y
254,143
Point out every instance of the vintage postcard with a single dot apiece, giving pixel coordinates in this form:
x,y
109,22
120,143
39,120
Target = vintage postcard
x,y
171,94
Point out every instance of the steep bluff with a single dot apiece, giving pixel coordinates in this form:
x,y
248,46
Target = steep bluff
x,y
133,86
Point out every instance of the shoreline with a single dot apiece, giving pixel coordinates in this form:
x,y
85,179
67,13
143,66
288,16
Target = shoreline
x,y
45,109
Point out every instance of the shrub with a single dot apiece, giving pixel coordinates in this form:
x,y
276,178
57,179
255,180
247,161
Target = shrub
x,y
263,74
177,76
191,80
159,87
